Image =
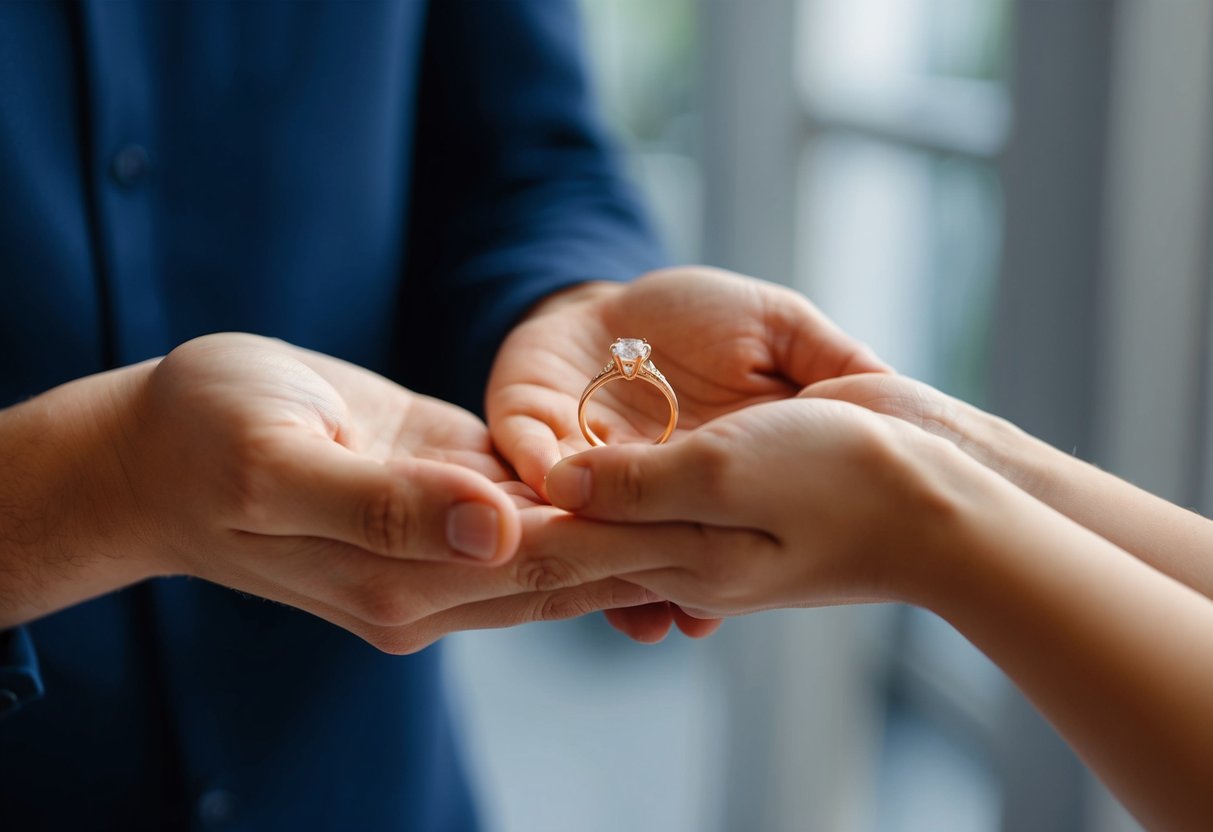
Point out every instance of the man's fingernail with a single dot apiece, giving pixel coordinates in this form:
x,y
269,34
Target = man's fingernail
x,y
472,529
569,486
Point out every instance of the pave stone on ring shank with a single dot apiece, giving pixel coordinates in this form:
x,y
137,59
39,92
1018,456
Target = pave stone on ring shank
x,y
629,361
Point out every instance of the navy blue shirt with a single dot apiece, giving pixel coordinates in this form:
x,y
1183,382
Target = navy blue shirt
x,y
374,180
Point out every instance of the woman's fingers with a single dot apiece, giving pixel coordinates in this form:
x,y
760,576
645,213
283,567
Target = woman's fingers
x,y
687,480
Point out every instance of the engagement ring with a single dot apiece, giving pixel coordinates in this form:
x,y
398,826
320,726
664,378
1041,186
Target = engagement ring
x,y
629,361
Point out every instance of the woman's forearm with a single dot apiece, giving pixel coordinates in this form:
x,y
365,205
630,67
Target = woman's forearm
x,y
1173,540
65,527
812,502
1117,655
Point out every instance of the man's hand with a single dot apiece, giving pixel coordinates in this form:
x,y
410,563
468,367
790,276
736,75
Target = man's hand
x,y
725,342
296,477
249,441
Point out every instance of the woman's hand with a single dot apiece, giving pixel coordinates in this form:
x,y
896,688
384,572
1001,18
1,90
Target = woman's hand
x,y
799,502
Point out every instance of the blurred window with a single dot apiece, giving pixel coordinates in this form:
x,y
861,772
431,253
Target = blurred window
x,y
900,239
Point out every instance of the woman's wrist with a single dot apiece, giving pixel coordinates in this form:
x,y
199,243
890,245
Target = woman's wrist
x,y
1032,465
946,496
964,542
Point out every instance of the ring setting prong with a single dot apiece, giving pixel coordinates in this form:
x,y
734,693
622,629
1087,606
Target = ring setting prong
x,y
630,355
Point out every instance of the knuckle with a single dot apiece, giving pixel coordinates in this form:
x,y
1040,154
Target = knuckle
x,y
876,448
385,521
714,470
546,573
630,482
565,604
616,594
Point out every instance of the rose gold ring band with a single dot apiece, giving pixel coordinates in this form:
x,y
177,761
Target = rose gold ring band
x,y
630,361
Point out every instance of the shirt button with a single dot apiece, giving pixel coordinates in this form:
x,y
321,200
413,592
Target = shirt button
x,y
8,701
216,806
130,165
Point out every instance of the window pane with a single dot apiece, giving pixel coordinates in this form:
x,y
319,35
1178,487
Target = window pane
x,y
930,783
901,247
931,72
865,244
969,38
881,44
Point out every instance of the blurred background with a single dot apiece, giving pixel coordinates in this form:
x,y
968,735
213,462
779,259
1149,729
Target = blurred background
x,y
1007,198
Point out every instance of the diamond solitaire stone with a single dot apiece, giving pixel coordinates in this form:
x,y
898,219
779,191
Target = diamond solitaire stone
x,y
630,349
629,362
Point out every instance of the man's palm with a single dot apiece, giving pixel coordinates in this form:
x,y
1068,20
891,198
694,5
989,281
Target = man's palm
x,y
724,342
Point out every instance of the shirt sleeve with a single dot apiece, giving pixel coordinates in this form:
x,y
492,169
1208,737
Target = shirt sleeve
x,y
20,679
517,190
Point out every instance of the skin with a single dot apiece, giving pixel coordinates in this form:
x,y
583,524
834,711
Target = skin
x,y
1112,646
296,477
1172,539
734,342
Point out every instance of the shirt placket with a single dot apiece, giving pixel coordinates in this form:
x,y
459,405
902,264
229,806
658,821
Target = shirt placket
x,y
122,154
